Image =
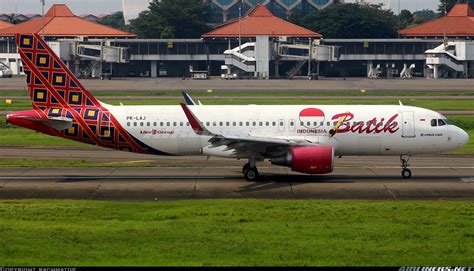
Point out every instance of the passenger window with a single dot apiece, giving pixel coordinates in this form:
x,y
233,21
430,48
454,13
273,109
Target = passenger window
x,y
241,123
207,123
260,124
267,123
187,123
328,123
302,123
234,123
281,123
214,123
181,124
154,124
247,123
433,123
274,124
315,123
168,123
292,123
128,123
141,123
441,122
254,124
148,124
308,123
135,124
227,123
322,123
174,123
161,124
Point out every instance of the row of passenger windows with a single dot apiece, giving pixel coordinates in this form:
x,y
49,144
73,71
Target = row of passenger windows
x,y
241,123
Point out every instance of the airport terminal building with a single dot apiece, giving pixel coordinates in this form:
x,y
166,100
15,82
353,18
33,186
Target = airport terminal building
x,y
272,49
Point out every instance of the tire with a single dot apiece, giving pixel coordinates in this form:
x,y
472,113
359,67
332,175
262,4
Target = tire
x,y
245,167
251,174
406,173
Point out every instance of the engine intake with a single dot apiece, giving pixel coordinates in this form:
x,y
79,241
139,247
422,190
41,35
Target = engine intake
x,y
310,160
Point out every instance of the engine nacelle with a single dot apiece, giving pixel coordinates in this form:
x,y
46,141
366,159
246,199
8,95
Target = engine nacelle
x,y
310,160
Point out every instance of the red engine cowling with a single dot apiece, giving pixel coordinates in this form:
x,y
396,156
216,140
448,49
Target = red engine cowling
x,y
310,160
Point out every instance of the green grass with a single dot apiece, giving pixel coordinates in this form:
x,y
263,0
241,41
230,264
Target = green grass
x,y
236,232
16,136
430,104
224,93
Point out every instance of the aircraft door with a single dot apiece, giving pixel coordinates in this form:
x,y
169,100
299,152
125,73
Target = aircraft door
x,y
281,125
408,124
292,125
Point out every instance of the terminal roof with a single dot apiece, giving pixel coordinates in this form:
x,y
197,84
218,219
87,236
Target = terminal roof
x,y
458,23
260,22
59,21
4,24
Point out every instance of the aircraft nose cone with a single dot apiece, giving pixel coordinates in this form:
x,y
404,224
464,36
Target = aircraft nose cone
x,y
463,138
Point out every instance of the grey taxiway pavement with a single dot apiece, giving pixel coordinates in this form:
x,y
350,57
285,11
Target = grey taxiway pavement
x,y
434,177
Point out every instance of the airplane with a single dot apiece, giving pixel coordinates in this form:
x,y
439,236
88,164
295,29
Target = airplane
x,y
305,138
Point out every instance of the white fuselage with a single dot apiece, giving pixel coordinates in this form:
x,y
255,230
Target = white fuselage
x,y
367,130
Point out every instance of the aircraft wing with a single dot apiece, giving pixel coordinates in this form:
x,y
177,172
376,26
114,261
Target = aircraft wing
x,y
243,143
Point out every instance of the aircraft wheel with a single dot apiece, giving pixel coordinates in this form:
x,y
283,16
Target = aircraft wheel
x,y
251,174
406,173
245,167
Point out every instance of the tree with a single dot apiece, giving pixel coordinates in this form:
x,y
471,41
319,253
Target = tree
x,y
295,18
172,19
353,21
423,16
450,4
406,19
114,20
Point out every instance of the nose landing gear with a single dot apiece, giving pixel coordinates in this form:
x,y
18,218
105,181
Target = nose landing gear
x,y
406,172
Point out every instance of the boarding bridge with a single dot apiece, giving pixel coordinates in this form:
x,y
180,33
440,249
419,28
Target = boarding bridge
x,y
87,59
252,56
290,51
450,59
102,53
242,57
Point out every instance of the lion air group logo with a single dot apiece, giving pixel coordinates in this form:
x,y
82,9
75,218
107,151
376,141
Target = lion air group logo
x,y
312,117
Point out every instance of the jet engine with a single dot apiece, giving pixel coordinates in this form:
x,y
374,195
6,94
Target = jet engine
x,y
310,160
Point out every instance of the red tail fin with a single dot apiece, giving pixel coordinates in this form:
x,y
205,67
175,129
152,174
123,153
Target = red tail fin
x,y
50,82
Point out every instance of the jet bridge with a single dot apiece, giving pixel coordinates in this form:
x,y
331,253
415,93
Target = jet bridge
x,y
249,58
88,58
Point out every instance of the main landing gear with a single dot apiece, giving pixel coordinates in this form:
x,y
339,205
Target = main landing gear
x,y
406,172
250,172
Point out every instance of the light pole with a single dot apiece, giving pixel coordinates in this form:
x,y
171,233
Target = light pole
x,y
42,16
240,25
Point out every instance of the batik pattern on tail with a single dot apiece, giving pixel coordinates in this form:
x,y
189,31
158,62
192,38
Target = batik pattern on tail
x,y
56,92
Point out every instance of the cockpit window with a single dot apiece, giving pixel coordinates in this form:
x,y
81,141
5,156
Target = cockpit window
x,y
434,123
448,122
441,122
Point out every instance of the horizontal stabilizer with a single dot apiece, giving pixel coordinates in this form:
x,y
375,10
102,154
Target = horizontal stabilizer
x,y
58,123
